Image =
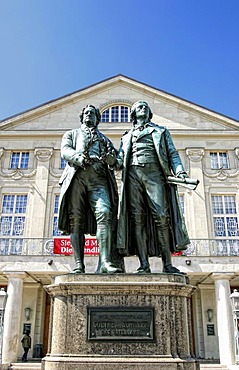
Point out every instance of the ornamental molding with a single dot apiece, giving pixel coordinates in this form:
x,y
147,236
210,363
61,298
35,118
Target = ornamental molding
x,y
14,274
43,154
53,173
237,152
17,174
110,103
1,152
195,154
221,174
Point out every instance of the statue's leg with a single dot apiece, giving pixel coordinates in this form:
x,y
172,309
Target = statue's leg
x,y
76,214
137,209
100,203
163,236
139,233
104,238
162,227
158,202
78,243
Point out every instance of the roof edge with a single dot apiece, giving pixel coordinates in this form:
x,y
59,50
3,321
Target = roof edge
x,y
108,79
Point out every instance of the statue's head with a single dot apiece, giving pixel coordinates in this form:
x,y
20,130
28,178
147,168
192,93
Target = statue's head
x,y
90,115
135,108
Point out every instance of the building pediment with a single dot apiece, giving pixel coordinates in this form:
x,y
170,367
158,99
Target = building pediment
x,y
169,110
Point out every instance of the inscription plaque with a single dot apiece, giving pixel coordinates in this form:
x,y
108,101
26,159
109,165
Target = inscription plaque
x,y
26,327
210,329
120,323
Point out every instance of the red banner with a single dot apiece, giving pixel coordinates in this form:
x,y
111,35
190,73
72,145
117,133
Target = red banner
x,y
63,246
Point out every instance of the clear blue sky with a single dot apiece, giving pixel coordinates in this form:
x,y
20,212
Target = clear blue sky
x,y
189,48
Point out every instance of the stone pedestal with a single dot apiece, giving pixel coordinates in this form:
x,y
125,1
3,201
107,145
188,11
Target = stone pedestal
x,y
79,342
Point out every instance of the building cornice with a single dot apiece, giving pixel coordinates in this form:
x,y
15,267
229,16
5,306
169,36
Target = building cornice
x,y
119,130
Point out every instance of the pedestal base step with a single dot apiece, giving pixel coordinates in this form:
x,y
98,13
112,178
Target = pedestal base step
x,y
118,363
25,366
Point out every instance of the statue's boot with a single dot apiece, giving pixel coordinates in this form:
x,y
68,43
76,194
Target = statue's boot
x,y
78,243
104,238
140,233
163,237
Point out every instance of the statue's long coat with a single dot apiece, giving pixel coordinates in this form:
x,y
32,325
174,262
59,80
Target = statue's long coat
x,y
73,143
170,162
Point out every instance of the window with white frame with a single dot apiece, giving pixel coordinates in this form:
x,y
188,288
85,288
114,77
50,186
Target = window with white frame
x,y
117,113
225,222
19,160
219,160
12,223
55,230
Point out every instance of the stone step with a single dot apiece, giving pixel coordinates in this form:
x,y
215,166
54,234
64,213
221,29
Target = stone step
x,y
37,366
213,367
26,366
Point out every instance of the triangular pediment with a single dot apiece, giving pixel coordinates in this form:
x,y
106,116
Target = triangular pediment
x,y
169,110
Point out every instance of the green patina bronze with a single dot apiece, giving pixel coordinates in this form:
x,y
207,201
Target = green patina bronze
x,y
89,198
150,218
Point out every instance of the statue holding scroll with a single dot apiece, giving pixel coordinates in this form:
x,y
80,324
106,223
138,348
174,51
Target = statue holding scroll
x,y
150,218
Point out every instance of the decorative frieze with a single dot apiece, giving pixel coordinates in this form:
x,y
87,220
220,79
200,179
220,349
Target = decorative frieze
x,y
17,174
43,154
195,154
221,174
53,173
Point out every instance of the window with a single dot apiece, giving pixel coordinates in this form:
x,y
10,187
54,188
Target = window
x,y
63,163
19,160
219,160
55,231
118,113
12,223
225,222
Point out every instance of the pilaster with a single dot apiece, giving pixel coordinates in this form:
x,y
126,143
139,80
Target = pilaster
x,y
39,198
198,221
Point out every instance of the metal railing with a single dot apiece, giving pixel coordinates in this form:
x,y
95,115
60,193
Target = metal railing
x,y
213,247
45,246
26,246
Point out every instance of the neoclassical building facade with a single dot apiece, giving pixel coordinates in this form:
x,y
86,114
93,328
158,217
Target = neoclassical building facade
x,y
30,169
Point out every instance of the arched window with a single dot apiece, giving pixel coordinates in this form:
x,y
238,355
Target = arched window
x,y
117,113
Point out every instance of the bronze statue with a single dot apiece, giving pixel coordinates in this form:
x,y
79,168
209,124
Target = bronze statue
x,y
150,218
89,197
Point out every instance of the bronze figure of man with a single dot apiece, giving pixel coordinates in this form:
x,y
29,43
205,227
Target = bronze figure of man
x,y
89,198
150,217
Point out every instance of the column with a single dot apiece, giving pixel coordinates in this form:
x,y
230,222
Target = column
x,y
12,317
37,211
197,221
224,318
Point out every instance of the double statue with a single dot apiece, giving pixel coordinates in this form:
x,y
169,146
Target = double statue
x,y
150,221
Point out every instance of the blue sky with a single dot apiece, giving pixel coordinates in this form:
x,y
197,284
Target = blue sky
x,y
189,48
